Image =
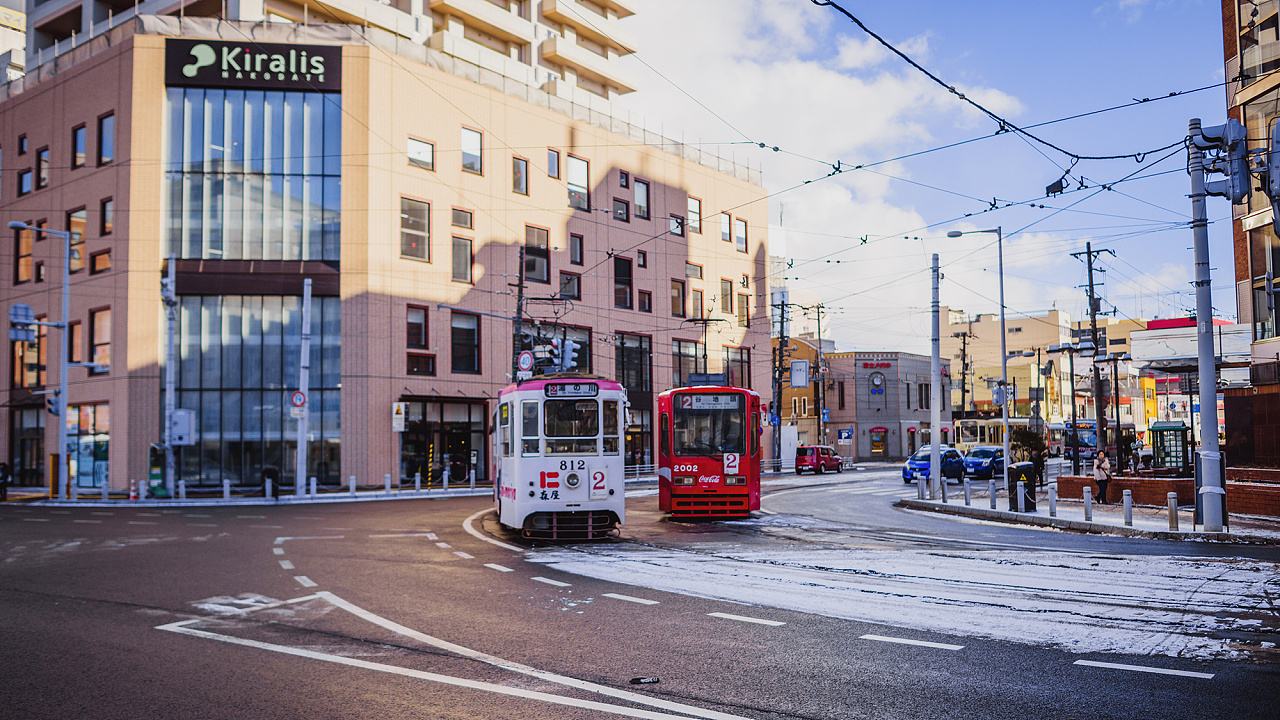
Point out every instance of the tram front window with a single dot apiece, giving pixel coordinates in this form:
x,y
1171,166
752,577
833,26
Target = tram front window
x,y
571,427
707,425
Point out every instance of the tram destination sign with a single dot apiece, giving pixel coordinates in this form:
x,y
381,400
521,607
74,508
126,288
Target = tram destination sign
x,y
709,401
571,390
264,66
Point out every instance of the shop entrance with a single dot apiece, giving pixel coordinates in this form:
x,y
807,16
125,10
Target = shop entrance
x,y
440,435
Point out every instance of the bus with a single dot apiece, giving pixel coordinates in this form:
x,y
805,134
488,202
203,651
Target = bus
x,y
1056,439
709,453
557,452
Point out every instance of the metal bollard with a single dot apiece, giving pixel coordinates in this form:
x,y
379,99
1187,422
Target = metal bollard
x,y
106,491
417,482
1173,510
351,480
444,476
226,489
991,490
1128,508
1022,496
313,487
75,491
920,493
386,482
182,489
968,493
1088,504
266,487
1053,500
472,477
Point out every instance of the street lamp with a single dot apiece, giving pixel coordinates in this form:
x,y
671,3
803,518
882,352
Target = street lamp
x,y
1004,350
1084,348
1115,359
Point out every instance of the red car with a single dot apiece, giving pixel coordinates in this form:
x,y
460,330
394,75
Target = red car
x,y
817,459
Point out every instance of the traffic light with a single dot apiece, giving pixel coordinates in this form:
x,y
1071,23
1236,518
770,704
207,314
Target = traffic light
x,y
1273,176
570,355
51,403
1230,140
557,364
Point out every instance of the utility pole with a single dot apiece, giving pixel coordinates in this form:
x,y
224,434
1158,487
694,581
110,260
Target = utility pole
x,y
819,391
780,357
517,322
1099,412
935,392
304,387
169,295
964,365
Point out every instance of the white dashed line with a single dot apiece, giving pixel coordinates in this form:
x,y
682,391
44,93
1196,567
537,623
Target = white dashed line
x,y
102,513
251,517
464,555
143,522
35,519
286,564
304,581
429,536
148,514
906,641
202,524
195,515
630,599
499,568
432,536
744,618
443,545
277,551
1143,668
59,512
552,583
88,522
268,527
285,538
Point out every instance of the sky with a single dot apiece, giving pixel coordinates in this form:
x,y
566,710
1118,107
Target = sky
x,y
801,77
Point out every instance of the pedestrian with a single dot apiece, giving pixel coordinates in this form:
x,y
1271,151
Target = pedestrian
x,y
1102,475
5,474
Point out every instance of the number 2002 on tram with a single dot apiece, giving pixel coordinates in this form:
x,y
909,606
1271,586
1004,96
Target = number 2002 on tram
x,y
557,445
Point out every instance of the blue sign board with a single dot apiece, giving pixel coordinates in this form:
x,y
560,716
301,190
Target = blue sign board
x,y
826,415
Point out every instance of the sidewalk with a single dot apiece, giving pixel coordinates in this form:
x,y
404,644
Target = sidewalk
x,y
1148,522
21,493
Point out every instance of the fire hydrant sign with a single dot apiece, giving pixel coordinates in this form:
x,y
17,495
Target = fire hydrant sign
x,y
398,411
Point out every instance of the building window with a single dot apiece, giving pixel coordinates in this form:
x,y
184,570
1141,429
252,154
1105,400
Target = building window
x,y
472,154
624,178
677,225
462,219
25,179
416,328
693,270
737,365
642,199
553,163
421,364
622,283
24,256
100,262
726,224
740,234
922,396
28,361
22,144
100,340
106,139
686,359
840,394
75,341
646,301
570,286
642,258
695,300
621,210
804,406
634,363
726,297
579,181
77,220
744,306
695,215
520,175
465,343
462,260
537,255
42,168
677,298
79,146
422,154
575,250
106,216
415,229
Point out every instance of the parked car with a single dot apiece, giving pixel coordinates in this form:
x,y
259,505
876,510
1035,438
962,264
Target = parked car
x,y
817,459
984,462
918,464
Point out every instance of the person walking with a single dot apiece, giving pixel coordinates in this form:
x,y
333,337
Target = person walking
x,y
5,475
1102,475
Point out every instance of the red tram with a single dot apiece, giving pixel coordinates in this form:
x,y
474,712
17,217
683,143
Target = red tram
x,y
709,452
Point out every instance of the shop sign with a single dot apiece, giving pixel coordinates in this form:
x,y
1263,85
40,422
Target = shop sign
x,y
266,66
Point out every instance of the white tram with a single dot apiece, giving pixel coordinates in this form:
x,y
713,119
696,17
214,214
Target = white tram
x,y
557,448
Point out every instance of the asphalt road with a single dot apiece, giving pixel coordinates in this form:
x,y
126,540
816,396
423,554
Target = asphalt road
x,y
396,610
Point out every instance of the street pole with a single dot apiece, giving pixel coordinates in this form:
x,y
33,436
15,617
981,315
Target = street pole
x,y
304,387
517,322
1210,457
1004,362
1071,434
935,391
64,471
820,390
781,356
169,296
1115,385
1098,413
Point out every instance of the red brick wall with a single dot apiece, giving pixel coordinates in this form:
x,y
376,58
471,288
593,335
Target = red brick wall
x,y
1146,491
1253,474
1253,498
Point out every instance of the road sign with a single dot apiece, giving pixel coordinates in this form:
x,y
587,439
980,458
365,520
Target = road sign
x,y
844,436
524,362
398,411
523,375
774,419
297,413
298,399
182,427
826,415
799,373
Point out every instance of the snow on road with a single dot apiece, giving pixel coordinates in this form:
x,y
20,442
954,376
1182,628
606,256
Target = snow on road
x,y
1186,607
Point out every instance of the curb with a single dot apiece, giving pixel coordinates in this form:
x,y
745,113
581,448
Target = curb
x,y
276,502
1014,518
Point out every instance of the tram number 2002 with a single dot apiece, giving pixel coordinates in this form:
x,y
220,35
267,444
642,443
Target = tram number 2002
x,y
573,464
685,468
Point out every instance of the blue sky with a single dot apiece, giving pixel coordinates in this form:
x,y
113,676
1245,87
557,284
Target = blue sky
x,y
825,91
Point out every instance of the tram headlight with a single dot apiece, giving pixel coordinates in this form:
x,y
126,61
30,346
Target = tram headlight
x,y
684,480
572,480
735,480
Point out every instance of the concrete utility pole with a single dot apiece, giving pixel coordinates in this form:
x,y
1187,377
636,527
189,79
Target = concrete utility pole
x,y
304,387
169,296
1210,458
517,322
1099,412
964,365
935,392
819,391
780,357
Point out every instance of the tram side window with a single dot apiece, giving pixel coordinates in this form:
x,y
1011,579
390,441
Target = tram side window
x,y
610,427
664,435
754,432
529,428
504,428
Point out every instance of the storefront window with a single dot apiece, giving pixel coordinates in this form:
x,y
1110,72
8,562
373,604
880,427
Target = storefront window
x,y
450,435
89,434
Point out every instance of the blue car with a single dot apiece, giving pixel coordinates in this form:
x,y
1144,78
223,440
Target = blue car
x,y
984,462
918,464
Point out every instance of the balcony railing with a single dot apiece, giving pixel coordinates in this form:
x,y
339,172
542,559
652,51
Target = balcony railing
x,y
488,17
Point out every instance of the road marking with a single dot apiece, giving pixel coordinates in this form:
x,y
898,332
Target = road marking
x,y
202,524
552,583
251,517
1143,668
429,536
268,527
147,514
744,618
304,581
464,555
466,525
443,545
906,641
88,522
686,711
102,513
35,519
195,515
59,512
143,522
432,536
286,564
285,538
277,551
630,599
499,568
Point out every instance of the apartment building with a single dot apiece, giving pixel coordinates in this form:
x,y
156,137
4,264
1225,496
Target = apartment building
x,y
404,183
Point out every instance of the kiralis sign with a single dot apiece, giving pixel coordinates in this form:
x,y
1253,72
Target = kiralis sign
x,y
210,63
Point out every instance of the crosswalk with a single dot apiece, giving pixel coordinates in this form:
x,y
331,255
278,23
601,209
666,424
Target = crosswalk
x,y
875,490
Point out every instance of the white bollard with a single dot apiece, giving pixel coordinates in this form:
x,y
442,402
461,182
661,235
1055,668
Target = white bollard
x,y
182,489
1053,500
991,490
313,487
75,491
226,489
968,493
942,486
1088,504
445,476
386,483
1128,508
417,481
266,487
351,480
106,491
920,493
472,477
1173,511
1022,496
